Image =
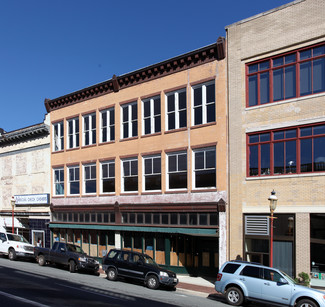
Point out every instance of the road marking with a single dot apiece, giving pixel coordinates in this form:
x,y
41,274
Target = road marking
x,y
101,293
21,299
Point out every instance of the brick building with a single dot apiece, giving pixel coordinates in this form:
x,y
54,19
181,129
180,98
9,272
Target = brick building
x,y
140,162
277,136
25,175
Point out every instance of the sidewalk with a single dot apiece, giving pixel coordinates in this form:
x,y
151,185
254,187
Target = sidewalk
x,y
202,286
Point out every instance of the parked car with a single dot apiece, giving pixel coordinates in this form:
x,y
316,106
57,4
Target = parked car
x,y
137,266
15,245
68,255
241,281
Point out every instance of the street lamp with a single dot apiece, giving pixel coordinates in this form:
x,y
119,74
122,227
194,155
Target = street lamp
x,y
273,201
13,202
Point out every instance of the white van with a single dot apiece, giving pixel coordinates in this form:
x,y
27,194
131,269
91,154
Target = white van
x,y
15,246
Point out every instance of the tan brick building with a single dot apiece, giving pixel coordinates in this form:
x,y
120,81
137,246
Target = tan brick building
x,y
25,175
140,161
276,75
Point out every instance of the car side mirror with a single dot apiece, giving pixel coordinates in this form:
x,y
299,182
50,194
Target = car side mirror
x,y
283,281
62,249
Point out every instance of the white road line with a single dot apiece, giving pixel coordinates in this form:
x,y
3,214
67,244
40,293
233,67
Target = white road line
x,y
21,299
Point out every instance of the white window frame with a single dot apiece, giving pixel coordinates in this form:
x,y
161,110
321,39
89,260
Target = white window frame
x,y
152,116
75,132
109,125
60,181
108,162
144,175
74,167
204,104
205,150
85,180
58,139
177,109
130,121
123,176
92,138
176,153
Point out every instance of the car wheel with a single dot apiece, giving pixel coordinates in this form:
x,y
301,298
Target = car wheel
x,y
12,254
41,260
152,282
72,266
234,296
306,303
111,274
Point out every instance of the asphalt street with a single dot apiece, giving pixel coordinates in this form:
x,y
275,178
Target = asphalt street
x,y
25,283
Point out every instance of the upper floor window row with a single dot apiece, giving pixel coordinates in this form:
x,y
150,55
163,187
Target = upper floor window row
x,y
289,151
203,112
291,75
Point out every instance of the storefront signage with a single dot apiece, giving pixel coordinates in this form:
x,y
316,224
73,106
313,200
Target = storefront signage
x,y
34,199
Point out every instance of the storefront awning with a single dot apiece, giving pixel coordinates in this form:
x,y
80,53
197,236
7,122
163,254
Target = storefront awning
x,y
7,222
187,231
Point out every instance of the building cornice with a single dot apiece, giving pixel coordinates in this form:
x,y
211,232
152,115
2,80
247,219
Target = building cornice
x,y
188,60
23,134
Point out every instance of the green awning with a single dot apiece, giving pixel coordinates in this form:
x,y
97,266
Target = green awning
x,y
189,231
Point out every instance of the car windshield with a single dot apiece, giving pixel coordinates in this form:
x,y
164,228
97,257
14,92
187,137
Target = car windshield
x,y
17,238
74,249
289,277
149,260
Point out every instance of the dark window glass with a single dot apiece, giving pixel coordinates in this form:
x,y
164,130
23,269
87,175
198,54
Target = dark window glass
x,y
265,159
203,219
306,155
183,219
264,86
319,154
137,242
230,268
127,240
252,90
148,218
305,78
251,271
164,219
214,219
160,244
139,218
193,219
112,217
290,82
156,218
132,218
106,216
253,160
173,218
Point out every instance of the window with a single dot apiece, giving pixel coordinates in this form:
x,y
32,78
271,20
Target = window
x,y
177,170
89,178
59,181
89,129
130,175
287,151
107,125
74,187
204,109
58,136
204,168
73,132
151,115
152,173
251,271
231,268
272,275
129,120
108,177
176,109
288,76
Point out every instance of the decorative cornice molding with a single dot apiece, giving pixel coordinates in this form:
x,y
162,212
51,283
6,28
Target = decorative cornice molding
x,y
20,135
216,51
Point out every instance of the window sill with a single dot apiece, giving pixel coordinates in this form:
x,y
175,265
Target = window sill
x,y
176,130
87,146
105,143
204,190
129,193
74,196
151,193
203,125
58,196
151,134
58,151
176,191
129,139
74,148
285,176
107,194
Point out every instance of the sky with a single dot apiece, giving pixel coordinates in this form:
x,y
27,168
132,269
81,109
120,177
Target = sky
x,y
52,48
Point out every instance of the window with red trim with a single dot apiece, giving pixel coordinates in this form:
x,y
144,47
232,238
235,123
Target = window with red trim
x,y
291,75
287,151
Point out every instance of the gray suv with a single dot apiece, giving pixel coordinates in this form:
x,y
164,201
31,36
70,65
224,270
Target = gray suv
x,y
240,281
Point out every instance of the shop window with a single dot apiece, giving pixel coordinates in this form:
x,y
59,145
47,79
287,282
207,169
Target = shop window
x,y
137,242
149,243
111,238
127,240
160,244
102,238
148,218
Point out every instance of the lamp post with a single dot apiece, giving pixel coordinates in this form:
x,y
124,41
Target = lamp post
x,y
273,201
13,202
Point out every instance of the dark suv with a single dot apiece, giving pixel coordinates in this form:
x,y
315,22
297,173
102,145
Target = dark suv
x,y
137,266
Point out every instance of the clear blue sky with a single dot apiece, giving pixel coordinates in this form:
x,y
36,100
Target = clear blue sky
x,y
52,48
